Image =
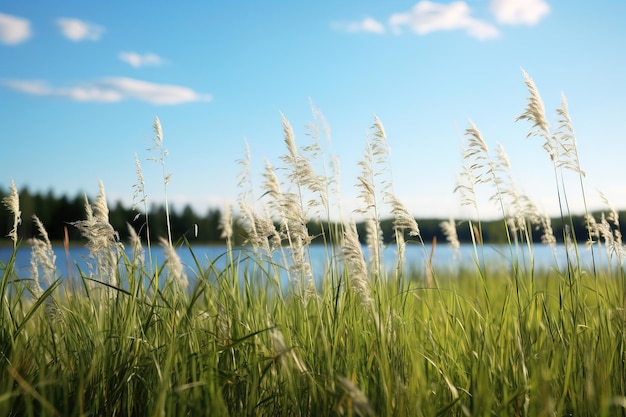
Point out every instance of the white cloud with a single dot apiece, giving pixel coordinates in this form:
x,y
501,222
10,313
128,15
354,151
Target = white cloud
x,y
13,29
112,89
368,24
34,87
427,16
84,92
77,30
154,93
137,60
516,12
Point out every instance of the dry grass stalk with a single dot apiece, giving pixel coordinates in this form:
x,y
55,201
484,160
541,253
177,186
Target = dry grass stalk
x,y
477,167
477,154
66,247
301,172
289,206
42,256
466,187
226,226
373,165
174,266
294,229
102,239
271,184
375,153
244,173
138,250
353,256
565,139
509,194
140,187
249,221
374,242
592,230
531,213
12,203
158,147
403,221
536,114
482,169
609,230
449,230
366,185
613,218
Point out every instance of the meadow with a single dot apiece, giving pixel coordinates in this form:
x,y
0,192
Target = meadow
x,y
132,336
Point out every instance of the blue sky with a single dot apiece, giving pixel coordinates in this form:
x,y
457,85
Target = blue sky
x,y
81,82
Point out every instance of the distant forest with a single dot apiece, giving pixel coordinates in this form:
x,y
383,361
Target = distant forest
x,y
57,214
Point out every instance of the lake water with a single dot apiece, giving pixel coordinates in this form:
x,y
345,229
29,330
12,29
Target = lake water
x,y
444,259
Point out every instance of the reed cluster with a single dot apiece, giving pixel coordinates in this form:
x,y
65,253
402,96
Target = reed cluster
x,y
134,337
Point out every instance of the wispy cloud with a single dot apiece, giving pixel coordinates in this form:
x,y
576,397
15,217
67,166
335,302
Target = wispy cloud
x,y
427,16
516,12
368,25
154,93
83,92
13,29
78,30
112,89
137,60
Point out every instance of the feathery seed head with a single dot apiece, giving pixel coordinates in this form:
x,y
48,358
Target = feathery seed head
x,y
42,255
271,186
158,131
102,239
226,224
465,186
566,140
374,242
592,229
139,187
449,230
174,265
503,157
290,140
476,156
547,237
249,224
379,129
244,174
353,256
100,207
403,219
366,185
12,203
477,145
613,218
301,171
135,242
536,114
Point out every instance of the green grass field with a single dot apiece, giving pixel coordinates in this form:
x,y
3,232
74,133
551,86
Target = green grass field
x,y
131,337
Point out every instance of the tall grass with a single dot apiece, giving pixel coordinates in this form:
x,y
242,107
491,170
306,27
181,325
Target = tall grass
x,y
131,337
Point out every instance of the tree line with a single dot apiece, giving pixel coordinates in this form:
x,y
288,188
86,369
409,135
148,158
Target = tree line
x,y
58,213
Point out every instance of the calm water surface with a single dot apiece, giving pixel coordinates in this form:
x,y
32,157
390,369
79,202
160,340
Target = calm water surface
x,y
444,259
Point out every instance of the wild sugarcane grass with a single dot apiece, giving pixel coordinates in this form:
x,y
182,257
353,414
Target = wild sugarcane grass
x,y
136,338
